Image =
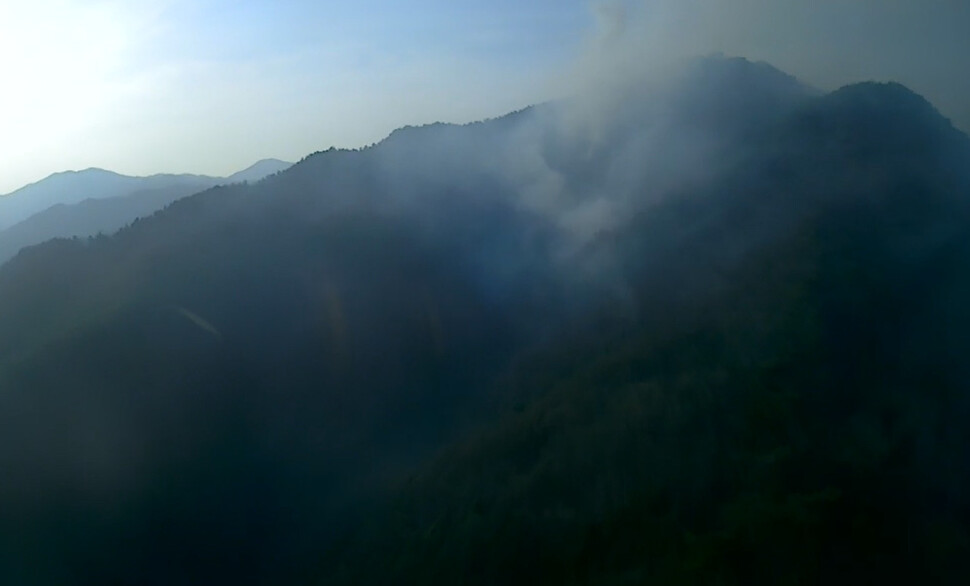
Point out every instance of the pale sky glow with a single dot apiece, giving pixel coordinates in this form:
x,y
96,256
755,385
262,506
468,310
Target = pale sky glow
x,y
54,90
210,86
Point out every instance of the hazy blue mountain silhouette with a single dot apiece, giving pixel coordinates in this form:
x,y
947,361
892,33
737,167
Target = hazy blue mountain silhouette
x,y
103,202
74,186
259,170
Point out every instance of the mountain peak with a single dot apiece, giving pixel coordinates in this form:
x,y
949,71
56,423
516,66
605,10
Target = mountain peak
x,y
891,98
259,170
87,171
887,114
731,87
727,69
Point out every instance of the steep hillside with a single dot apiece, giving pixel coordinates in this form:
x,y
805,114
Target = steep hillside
x,y
787,406
707,333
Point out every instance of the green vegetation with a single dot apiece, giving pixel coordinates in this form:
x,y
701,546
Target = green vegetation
x,y
416,364
727,453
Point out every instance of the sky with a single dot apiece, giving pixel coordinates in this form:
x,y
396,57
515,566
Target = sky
x,y
211,86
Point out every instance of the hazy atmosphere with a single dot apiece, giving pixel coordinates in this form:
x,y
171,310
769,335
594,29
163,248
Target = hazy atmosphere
x,y
556,292
209,86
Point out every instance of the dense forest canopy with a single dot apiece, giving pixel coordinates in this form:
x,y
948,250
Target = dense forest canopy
x,y
710,332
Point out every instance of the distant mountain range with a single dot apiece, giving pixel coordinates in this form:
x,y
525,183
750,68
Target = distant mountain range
x,y
713,332
85,203
258,170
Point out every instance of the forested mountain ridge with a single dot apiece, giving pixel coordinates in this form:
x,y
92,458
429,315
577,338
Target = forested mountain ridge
x,y
711,334
94,201
791,413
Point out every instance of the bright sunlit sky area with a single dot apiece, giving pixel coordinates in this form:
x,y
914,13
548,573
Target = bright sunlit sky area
x,y
211,86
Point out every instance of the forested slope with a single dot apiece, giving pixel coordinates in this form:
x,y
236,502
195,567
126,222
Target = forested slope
x,y
718,338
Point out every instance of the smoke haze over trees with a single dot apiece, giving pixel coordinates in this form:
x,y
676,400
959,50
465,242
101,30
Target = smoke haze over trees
x,y
704,328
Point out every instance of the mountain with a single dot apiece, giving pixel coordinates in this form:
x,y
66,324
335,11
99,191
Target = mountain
x,y
786,406
75,186
259,170
706,333
110,202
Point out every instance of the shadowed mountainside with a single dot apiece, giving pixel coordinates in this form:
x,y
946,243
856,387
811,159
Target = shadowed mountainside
x,y
711,333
